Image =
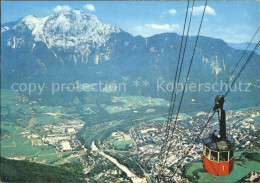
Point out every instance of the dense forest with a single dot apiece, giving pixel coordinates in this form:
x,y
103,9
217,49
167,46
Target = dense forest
x,y
24,171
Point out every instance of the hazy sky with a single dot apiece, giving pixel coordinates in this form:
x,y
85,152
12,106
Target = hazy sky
x,y
233,22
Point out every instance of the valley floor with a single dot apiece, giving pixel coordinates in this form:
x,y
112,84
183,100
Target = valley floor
x,y
127,141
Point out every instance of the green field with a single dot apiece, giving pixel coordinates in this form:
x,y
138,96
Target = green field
x,y
150,110
137,101
45,109
133,102
195,166
256,119
237,174
48,158
159,119
20,114
43,120
115,109
121,145
74,159
19,146
10,127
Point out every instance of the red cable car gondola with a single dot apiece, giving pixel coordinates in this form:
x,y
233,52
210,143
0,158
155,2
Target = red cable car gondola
x,y
218,147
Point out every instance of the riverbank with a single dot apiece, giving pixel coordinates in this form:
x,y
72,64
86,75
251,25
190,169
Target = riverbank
x,y
131,175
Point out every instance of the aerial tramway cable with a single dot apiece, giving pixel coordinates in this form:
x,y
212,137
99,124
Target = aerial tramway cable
x,y
244,66
190,67
174,91
241,58
186,39
211,116
187,77
186,80
172,103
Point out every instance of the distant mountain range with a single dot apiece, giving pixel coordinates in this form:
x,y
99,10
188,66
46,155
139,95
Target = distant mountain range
x,y
243,46
73,46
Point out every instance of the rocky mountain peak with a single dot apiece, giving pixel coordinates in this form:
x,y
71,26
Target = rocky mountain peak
x,y
67,29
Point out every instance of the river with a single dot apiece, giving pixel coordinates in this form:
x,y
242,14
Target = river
x,y
131,175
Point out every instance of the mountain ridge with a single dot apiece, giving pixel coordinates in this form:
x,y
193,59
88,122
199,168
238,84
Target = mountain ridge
x,y
109,53
243,46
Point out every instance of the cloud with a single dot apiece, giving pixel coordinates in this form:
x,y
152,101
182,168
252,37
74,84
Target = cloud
x,y
147,30
172,11
198,10
162,27
89,7
59,8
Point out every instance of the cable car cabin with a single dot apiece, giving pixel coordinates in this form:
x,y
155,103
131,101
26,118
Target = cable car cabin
x,y
218,147
218,154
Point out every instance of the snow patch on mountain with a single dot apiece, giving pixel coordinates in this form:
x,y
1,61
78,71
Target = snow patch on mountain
x,y
66,30
215,65
5,28
15,42
74,32
36,26
76,29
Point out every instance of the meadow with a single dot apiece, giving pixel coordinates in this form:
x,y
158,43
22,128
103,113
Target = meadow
x,y
122,144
